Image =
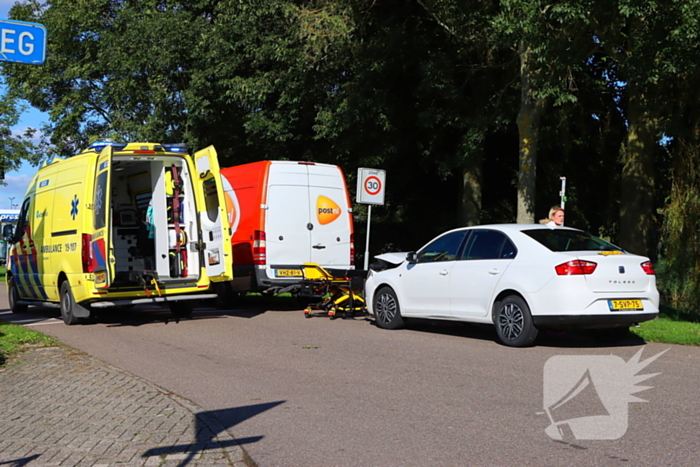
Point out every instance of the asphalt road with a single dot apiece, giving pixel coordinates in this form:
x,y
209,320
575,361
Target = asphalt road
x,y
316,392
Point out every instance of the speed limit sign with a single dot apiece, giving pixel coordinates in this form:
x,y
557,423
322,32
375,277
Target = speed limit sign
x,y
370,186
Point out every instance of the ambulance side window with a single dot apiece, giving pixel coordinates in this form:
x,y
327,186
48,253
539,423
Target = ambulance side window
x,y
22,221
100,205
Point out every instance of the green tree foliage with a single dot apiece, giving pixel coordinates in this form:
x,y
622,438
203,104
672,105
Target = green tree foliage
x,y
649,47
114,69
13,148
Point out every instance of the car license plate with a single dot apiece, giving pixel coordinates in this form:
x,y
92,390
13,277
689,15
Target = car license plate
x,y
624,305
288,272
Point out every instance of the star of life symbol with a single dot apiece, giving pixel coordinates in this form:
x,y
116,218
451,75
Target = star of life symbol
x,y
98,199
587,396
74,207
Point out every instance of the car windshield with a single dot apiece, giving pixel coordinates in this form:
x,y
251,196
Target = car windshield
x,y
570,240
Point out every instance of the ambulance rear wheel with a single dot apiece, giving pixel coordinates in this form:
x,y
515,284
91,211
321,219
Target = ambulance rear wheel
x,y
67,305
14,297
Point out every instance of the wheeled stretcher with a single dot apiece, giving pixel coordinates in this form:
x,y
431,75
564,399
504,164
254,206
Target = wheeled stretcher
x,y
340,290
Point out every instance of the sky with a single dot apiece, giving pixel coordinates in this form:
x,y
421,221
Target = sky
x,y
17,181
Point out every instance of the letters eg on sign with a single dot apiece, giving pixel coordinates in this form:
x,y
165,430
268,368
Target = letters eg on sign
x,y
22,42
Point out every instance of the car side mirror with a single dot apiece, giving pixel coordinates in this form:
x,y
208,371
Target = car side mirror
x,y
411,257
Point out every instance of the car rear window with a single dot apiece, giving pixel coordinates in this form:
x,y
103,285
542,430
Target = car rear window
x,y
570,240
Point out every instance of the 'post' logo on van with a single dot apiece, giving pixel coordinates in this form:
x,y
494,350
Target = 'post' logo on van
x,y
326,210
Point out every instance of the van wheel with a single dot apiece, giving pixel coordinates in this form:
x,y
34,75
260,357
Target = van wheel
x,y
513,322
182,309
14,297
67,304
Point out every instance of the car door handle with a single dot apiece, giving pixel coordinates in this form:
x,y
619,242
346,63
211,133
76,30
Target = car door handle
x,y
443,272
494,271
319,246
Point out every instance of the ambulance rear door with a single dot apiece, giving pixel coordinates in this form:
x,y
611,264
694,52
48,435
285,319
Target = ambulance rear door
x,y
102,251
216,235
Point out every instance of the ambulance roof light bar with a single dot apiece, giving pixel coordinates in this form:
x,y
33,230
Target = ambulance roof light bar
x,y
175,147
98,146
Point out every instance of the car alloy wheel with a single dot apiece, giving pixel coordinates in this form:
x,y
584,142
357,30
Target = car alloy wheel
x,y
386,309
513,322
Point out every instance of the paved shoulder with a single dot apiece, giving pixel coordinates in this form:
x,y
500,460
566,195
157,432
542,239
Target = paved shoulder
x,y
62,407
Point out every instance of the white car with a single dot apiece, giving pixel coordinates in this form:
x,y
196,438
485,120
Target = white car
x,y
519,277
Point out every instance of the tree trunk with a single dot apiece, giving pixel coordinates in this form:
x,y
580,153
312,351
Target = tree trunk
x,y
528,122
637,190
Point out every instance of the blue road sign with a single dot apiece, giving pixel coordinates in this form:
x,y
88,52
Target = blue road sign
x,y
22,42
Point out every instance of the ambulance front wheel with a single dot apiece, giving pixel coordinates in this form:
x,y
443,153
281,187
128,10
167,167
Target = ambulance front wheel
x,y
68,305
14,297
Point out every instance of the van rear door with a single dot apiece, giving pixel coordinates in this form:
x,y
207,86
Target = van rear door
x,y
216,234
331,216
103,254
287,221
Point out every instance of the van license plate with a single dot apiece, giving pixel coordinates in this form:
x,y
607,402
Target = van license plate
x,y
288,272
100,277
620,305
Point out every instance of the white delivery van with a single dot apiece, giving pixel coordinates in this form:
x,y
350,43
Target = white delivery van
x,y
284,214
119,225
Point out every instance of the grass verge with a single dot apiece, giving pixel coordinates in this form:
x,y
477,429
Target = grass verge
x,y
14,339
671,327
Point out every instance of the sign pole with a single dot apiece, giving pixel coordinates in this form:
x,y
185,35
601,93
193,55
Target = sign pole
x,y
369,216
562,193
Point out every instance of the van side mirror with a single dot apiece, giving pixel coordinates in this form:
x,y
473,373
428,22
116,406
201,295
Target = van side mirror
x,y
411,257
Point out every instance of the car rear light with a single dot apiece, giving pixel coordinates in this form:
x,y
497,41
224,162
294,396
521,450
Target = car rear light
x,y
259,247
576,267
86,254
646,265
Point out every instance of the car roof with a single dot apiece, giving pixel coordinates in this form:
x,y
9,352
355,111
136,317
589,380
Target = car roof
x,y
513,227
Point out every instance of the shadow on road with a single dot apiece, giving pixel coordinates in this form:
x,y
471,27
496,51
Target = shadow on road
x,y
20,462
208,425
562,339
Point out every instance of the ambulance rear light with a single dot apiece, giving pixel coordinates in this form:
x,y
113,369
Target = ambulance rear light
x,y
86,254
352,249
259,247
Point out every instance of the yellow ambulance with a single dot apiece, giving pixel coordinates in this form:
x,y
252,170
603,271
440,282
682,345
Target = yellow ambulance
x,y
121,224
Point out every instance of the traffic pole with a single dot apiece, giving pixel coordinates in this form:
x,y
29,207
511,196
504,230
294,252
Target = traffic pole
x,y
369,216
